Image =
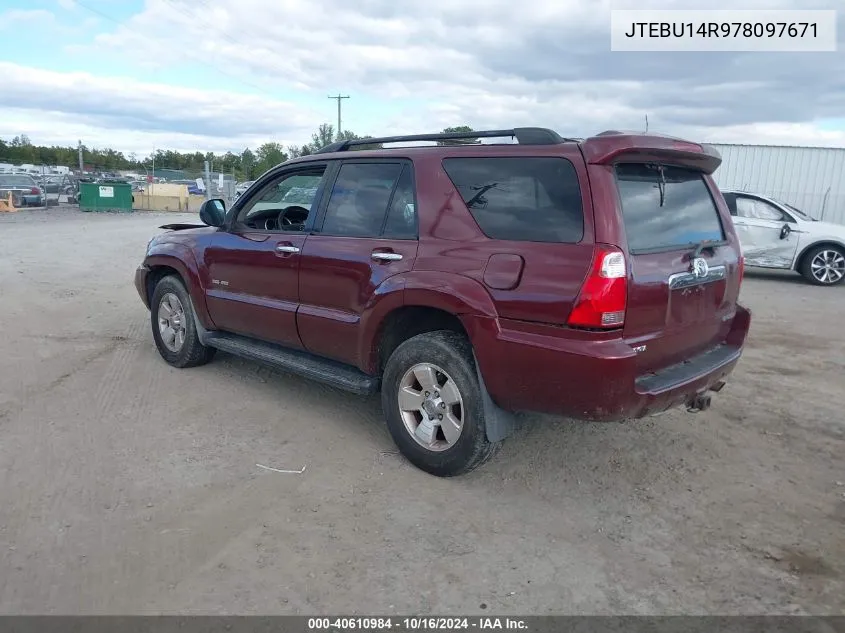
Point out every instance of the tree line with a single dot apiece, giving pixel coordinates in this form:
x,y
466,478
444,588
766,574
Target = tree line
x,y
247,165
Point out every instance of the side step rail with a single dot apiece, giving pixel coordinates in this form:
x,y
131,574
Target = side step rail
x,y
324,370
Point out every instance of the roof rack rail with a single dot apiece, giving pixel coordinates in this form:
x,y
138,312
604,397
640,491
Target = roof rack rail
x,y
523,135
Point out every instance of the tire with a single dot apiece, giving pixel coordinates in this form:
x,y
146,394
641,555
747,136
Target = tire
x,y
833,256
189,352
445,357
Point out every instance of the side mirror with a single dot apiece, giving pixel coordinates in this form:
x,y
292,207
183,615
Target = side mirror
x,y
213,212
785,231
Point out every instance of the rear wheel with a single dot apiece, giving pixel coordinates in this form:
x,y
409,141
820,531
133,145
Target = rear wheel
x,y
432,403
824,266
174,330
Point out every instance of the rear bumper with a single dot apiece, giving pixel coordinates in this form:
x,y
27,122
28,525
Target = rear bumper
x,y
141,283
33,201
550,370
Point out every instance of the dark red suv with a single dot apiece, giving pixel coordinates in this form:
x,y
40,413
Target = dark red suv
x,y
595,278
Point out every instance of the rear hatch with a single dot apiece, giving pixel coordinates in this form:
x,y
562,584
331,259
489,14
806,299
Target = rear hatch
x,y
684,261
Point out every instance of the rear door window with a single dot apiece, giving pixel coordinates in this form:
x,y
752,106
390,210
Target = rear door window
x,y
401,220
531,199
666,207
360,199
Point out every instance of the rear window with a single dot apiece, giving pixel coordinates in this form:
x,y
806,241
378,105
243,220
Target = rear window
x,y
17,181
660,213
530,199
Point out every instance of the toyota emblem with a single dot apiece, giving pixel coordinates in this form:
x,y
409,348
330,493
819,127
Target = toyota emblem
x,y
700,267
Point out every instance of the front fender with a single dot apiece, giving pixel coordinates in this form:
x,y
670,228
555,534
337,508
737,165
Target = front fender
x,y
182,260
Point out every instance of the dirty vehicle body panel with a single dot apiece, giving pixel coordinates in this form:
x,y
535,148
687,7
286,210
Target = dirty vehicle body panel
x,y
596,279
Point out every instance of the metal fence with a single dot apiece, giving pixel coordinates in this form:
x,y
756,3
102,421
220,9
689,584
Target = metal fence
x,y
809,178
55,186
61,185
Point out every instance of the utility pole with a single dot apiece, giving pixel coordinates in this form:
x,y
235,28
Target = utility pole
x,y
81,164
339,98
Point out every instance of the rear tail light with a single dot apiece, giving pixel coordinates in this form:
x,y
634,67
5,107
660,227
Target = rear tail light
x,y
35,190
741,268
603,298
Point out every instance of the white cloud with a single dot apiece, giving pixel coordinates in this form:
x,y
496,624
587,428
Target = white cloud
x,y
115,111
14,19
486,63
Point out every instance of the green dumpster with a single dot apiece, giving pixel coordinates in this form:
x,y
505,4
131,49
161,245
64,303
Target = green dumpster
x,y
105,196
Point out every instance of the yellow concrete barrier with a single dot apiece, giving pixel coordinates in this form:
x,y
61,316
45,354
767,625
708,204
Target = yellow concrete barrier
x,y
159,203
7,204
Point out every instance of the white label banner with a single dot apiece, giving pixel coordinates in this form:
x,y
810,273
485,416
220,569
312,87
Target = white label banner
x,y
757,31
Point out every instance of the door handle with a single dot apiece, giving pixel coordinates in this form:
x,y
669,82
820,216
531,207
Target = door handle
x,y
284,248
386,257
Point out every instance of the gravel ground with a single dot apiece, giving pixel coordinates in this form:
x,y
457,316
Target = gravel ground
x,y
132,487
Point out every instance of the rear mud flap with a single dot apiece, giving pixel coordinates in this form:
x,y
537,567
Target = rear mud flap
x,y
499,423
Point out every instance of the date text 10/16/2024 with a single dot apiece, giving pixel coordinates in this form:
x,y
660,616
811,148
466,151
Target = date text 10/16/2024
x,y
417,624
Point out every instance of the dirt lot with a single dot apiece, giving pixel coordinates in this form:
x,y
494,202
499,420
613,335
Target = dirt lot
x,y
131,487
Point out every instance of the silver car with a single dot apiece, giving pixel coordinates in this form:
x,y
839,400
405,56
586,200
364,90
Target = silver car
x,y
774,234
25,191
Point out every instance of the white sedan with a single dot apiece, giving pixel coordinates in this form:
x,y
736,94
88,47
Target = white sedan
x,y
774,234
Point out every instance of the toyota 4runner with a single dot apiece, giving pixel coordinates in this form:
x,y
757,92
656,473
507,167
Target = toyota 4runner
x,y
596,279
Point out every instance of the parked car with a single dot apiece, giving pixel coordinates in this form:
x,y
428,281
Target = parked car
x,y
242,187
775,234
596,279
23,188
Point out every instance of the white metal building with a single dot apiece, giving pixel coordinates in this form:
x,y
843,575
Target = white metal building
x,y
809,178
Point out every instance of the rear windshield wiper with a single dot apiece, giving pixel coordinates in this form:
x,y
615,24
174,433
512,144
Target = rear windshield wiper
x,y
661,181
701,246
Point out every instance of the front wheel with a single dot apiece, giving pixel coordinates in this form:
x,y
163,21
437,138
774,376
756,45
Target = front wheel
x,y
432,403
824,266
174,330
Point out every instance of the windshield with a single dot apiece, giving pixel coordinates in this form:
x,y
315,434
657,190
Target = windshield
x,y
16,181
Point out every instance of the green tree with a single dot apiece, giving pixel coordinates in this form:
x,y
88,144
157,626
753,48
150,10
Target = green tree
x,y
296,151
349,135
247,164
269,155
322,137
458,129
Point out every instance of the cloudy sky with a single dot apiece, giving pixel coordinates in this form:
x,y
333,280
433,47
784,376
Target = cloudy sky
x,y
217,75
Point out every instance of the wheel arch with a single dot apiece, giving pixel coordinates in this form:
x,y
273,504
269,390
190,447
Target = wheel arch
x,y
425,303
799,261
435,298
161,265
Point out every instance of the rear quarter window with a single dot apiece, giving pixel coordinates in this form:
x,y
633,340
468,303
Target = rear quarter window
x,y
676,210
532,199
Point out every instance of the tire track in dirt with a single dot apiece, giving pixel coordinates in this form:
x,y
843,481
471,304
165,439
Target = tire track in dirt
x,y
91,427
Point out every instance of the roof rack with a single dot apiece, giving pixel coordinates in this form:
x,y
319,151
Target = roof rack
x,y
523,135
